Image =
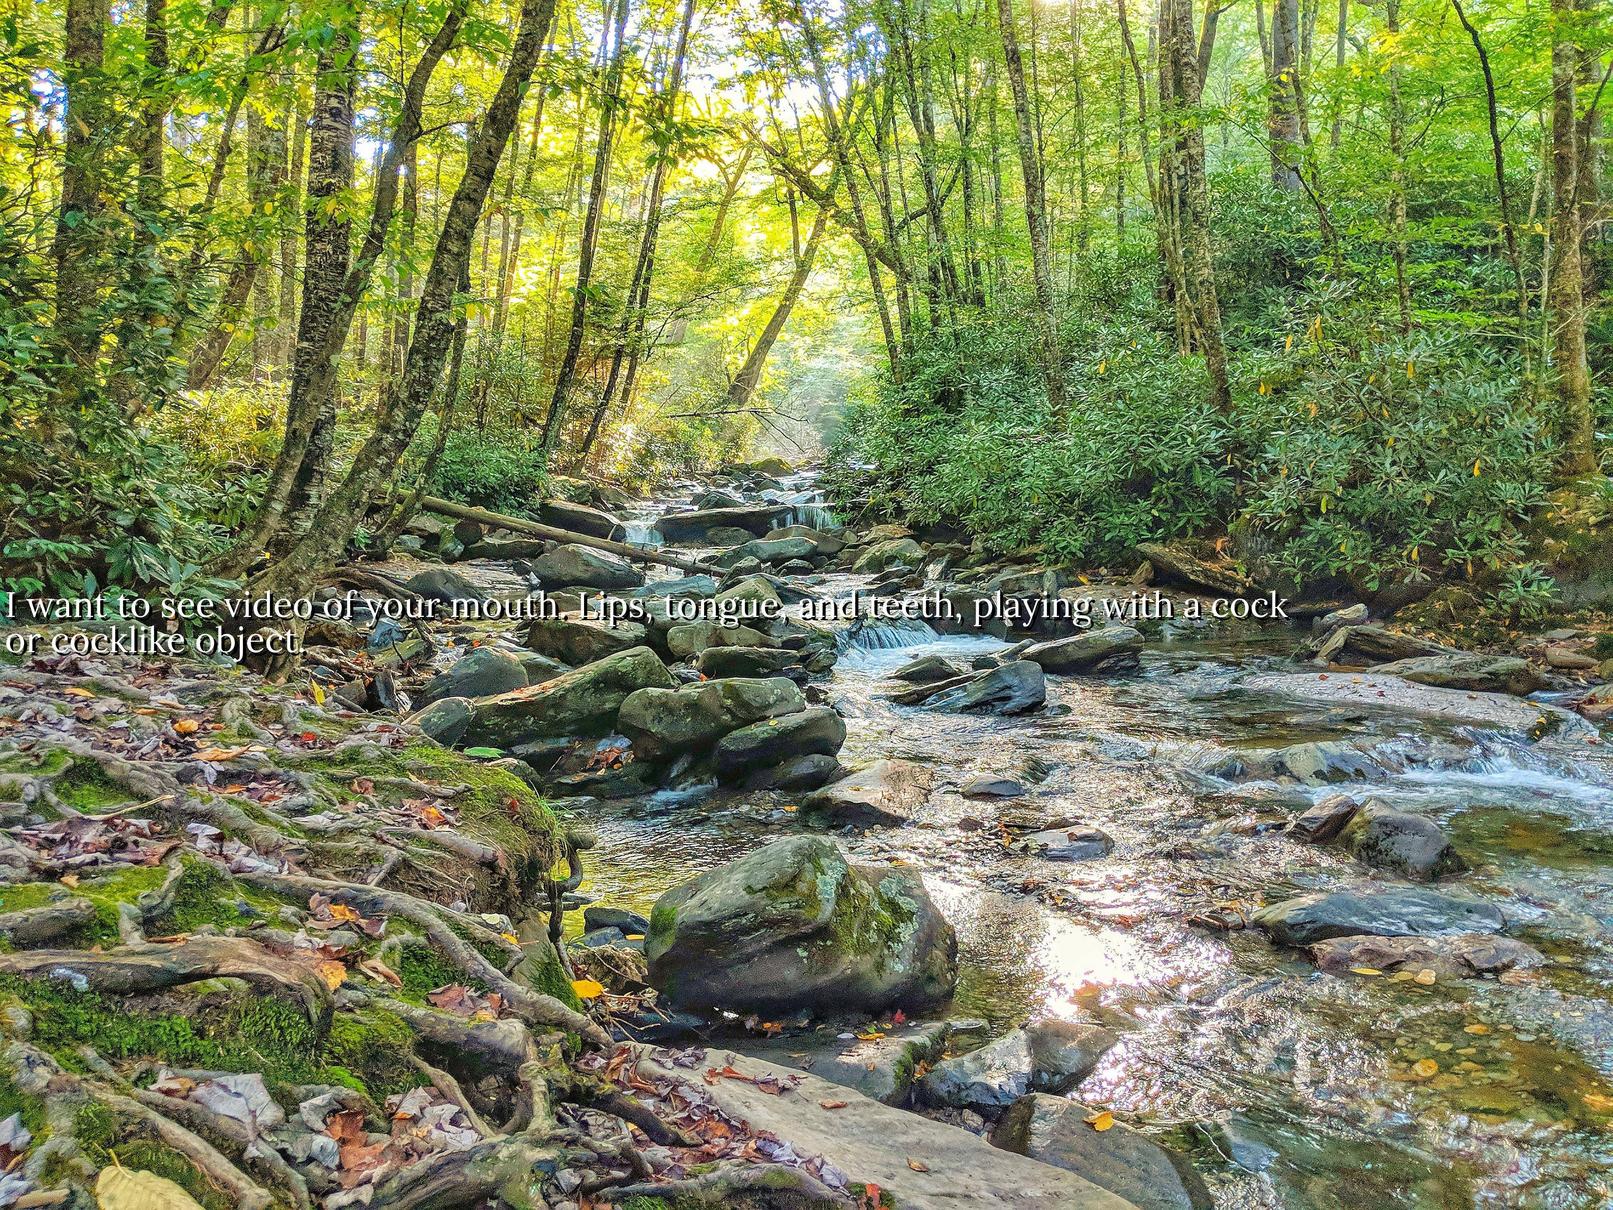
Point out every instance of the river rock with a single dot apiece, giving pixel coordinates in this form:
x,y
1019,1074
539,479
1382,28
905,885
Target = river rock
x,y
664,722
1408,845
614,918
1486,673
755,519
691,638
1078,843
926,670
1377,908
443,585
726,536
1179,566
717,498
1124,1161
1110,649
580,519
1325,820
882,556
1461,956
887,791
1407,697
1349,615
877,1064
986,785
445,720
1053,1056
540,668
798,773
753,599
585,701
767,550
480,672
569,565
823,544
743,661
1012,688
817,731
698,587
793,926
1374,643
920,1164
576,641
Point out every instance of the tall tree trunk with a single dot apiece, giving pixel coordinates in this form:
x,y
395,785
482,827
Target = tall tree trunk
x,y
609,99
1035,212
750,374
1397,182
1282,121
1576,429
1341,37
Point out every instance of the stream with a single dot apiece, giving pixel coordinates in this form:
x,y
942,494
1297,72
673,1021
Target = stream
x,y
1291,1087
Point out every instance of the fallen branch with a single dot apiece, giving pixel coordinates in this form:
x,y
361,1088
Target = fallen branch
x,y
517,524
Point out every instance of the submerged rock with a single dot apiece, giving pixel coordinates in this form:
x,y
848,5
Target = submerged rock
x,y
1408,845
1461,956
887,791
1110,649
1079,843
1012,688
1053,1056
1119,1159
1377,908
792,925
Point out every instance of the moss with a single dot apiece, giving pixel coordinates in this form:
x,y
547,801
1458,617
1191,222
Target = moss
x,y
423,969
20,896
30,1109
373,1046
870,925
35,764
85,787
544,973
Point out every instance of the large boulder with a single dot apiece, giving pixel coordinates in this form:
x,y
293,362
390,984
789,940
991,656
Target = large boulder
x,y
1013,688
663,722
809,772
927,670
1130,1165
580,519
755,519
697,587
691,638
480,672
767,550
1375,908
569,565
1397,694
1110,649
882,556
816,731
574,641
1178,566
887,791
744,661
1461,956
445,720
584,701
1408,845
1468,670
1051,1055
823,544
443,585
793,926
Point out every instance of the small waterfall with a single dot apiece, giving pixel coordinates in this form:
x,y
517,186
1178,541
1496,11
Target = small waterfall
x,y
642,532
816,515
882,635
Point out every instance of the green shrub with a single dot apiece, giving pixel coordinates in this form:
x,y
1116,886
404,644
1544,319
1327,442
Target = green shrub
x,y
495,468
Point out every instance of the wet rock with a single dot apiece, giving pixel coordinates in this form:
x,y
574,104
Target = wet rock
x,y
1179,566
1461,956
1408,697
580,519
540,668
584,701
755,519
601,938
817,731
571,566
1318,763
1350,615
1122,1160
743,661
1567,659
753,599
1487,673
1374,643
663,722
792,925
506,549
691,638
1322,822
577,641
1376,908
823,544
1013,688
797,773
445,720
725,536
926,670
480,672
897,552
699,587
878,1065
1408,845
767,550
443,585
887,791
1053,1056
717,499
1111,649
614,918
986,785
1080,843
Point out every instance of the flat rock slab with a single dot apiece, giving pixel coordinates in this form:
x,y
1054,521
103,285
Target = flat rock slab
x,y
875,1144
880,1067
1408,697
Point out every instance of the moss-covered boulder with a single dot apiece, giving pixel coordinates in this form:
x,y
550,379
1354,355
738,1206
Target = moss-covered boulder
x,y
584,701
792,925
578,641
662,722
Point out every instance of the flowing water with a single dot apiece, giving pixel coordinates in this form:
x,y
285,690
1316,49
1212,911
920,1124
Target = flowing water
x,y
1292,1088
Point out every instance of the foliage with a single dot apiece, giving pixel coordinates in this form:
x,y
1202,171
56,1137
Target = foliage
x,y
493,468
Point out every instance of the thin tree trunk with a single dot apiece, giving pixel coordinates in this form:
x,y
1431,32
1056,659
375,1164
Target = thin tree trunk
x,y
1282,122
750,374
1397,184
1576,429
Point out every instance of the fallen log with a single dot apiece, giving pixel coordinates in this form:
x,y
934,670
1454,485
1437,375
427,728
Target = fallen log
x,y
465,512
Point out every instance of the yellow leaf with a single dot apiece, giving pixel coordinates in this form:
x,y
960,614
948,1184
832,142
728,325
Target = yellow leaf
x,y
1478,1029
1324,504
318,691
120,1188
1103,365
1426,977
1597,1103
1101,1121
1424,1068
1313,408
187,726
1411,372
511,938
1476,463
332,972
75,691
1365,970
1289,343
587,989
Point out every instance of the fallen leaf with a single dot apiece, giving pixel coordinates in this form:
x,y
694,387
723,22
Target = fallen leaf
x,y
1101,1121
1597,1103
1426,977
917,1165
376,969
831,1104
119,1188
1365,970
75,691
187,726
1424,1068
1477,1028
332,972
587,989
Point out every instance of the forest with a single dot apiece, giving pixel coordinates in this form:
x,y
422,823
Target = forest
x,y
776,603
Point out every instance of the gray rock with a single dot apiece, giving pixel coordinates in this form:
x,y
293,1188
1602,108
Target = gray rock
x,y
580,519
443,585
445,720
926,670
1350,615
480,672
887,791
882,556
1053,1056
1125,1162
1078,843
1013,688
699,587
664,722
1178,566
691,638
571,566
986,785
1325,820
614,918
823,544
576,641
817,731
728,536
1408,845
540,668
1111,649
792,925
797,773
1376,908
767,550
1461,956
584,701
756,519
881,1067
1485,673
743,661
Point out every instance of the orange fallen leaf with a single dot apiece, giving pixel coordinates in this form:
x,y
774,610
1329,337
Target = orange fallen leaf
x,y
587,989
187,726
1101,1121
831,1104
332,972
917,1165
1424,1068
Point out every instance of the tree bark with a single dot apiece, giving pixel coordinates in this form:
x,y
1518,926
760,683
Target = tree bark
x,y
1282,122
750,374
1576,429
